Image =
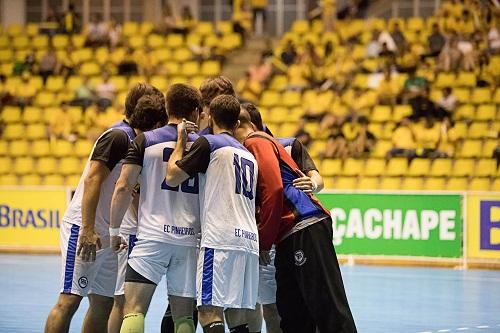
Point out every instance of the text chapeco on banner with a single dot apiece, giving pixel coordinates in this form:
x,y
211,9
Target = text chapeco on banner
x,y
30,218
483,226
396,224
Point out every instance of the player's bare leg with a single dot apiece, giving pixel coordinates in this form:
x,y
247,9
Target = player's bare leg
x,y
254,318
61,314
137,299
211,318
96,319
272,318
116,316
237,319
182,313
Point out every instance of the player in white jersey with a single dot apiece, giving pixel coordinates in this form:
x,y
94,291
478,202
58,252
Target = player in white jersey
x,y
169,221
227,275
311,181
89,264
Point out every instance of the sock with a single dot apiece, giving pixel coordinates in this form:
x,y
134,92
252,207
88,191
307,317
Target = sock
x,y
184,325
215,327
195,317
240,329
133,323
167,323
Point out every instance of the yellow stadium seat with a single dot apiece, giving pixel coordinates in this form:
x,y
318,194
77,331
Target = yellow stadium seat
x,y
31,180
381,113
465,79
179,79
72,180
291,98
374,167
278,82
193,39
331,167
412,184
445,80
4,41
496,98
6,56
210,68
53,180
8,180
419,167
32,115
13,132
300,26
289,129
457,184
462,168
401,111
55,83
40,42
496,185
70,165
90,69
390,183
62,148
23,165
4,147
36,131
46,165
481,95
415,23
161,55
440,168
119,81
470,148
360,81
19,148
182,54
44,99
486,167
5,165
368,183
135,79
381,148
397,167
156,41
146,28
488,147
11,114
159,82
435,184
136,42
486,112
344,183
74,82
172,67
59,42
462,94
15,29
83,148
130,28
40,148
101,55
231,41
329,183
190,68
464,112
174,41
277,114
352,167
479,184
224,27
20,43
204,28
269,98
197,80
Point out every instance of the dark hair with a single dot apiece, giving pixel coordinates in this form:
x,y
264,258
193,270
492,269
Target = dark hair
x,y
135,94
225,111
215,86
182,100
255,116
149,111
363,120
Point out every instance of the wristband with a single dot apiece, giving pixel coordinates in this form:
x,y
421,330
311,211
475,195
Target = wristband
x,y
114,232
315,185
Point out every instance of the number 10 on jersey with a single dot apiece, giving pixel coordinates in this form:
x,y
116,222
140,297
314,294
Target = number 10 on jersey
x,y
243,173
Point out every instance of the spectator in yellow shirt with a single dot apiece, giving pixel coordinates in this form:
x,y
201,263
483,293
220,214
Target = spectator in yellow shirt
x,y
62,125
388,89
403,140
427,134
249,89
258,9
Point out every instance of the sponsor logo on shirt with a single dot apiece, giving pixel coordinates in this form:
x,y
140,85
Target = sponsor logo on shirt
x,y
245,234
175,230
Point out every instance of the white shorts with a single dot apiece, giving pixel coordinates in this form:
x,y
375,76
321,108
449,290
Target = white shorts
x,y
227,278
83,278
267,281
153,260
122,263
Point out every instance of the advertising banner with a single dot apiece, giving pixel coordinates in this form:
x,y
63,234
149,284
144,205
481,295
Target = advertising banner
x,y
400,224
30,218
483,226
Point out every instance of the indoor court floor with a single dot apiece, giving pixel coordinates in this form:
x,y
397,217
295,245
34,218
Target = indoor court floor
x,y
383,299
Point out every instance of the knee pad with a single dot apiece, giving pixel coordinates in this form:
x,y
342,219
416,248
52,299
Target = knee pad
x,y
184,325
133,323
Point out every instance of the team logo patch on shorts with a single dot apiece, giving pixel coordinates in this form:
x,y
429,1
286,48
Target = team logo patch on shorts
x,y
83,282
300,258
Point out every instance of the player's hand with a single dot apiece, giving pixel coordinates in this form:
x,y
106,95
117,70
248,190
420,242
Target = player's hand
x,y
88,245
264,258
303,183
185,127
118,244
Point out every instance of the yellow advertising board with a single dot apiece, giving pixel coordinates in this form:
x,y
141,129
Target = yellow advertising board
x,y
483,226
30,217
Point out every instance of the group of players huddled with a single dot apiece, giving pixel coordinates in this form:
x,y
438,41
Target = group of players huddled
x,y
196,189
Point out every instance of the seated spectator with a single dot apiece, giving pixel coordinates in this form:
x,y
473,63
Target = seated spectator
x,y
336,145
329,55
242,19
97,32
407,59
105,92
27,65
128,66
398,37
304,137
447,139
435,41
70,20
465,23
403,141
427,134
364,141
414,85
496,151
200,52
115,34
187,21
447,103
289,53
386,52
84,94
468,54
48,64
261,71
67,65
168,21
385,38
373,47
316,102
494,38
24,93
249,89
450,56
62,125
388,89
422,106
310,57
